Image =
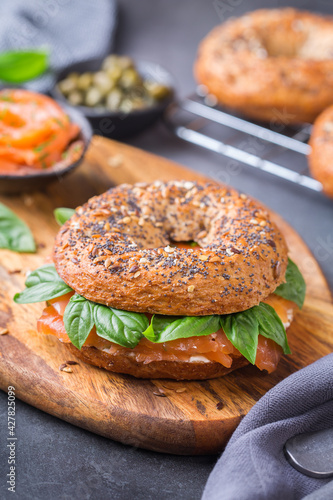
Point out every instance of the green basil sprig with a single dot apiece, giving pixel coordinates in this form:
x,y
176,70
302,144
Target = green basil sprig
x,y
243,329
21,66
127,328
78,319
62,214
294,288
14,233
122,327
42,284
165,328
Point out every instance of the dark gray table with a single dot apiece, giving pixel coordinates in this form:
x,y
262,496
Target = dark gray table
x,y
59,461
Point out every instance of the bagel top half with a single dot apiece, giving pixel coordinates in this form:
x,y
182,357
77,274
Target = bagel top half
x,y
117,249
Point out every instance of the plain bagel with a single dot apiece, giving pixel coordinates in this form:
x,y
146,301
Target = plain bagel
x,y
274,65
117,249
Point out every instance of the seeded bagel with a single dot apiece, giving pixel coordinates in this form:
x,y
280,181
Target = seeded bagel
x,y
321,142
274,65
178,370
117,249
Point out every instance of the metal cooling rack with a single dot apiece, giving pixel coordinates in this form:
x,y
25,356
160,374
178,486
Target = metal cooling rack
x,y
278,150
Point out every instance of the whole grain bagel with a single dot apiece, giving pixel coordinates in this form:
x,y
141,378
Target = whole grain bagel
x,y
274,65
117,249
178,370
321,142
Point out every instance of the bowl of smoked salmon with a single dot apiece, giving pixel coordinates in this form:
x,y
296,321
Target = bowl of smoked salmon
x,y
40,140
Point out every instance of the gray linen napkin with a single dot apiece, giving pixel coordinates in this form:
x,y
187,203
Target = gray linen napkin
x,y
73,30
253,466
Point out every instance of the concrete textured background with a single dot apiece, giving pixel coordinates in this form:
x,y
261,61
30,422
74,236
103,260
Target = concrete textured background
x,y
59,461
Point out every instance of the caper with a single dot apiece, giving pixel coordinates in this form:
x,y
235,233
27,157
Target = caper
x,y
126,105
68,84
138,103
93,97
84,81
113,99
130,78
125,62
75,97
102,81
114,74
157,90
110,62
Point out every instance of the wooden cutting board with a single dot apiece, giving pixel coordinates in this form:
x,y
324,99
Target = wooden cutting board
x,y
191,417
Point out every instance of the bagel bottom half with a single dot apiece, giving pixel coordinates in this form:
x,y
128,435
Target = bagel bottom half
x,y
178,370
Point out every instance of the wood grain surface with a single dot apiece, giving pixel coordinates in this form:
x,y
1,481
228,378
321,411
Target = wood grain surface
x,y
191,417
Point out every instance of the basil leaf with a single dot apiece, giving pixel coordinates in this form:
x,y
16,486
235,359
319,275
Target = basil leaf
x,y
184,327
271,326
14,233
242,329
43,274
21,66
63,214
157,325
122,327
78,319
42,284
42,292
295,287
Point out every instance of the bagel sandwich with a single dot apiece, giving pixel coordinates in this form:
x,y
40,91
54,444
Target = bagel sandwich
x,y
182,280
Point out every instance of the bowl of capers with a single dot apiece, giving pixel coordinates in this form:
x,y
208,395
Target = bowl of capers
x,y
119,97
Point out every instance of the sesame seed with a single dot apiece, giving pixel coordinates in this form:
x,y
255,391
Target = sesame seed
x,y
141,221
169,249
107,226
136,275
243,196
254,221
215,259
65,368
188,185
203,257
190,288
126,220
116,161
262,223
229,252
4,331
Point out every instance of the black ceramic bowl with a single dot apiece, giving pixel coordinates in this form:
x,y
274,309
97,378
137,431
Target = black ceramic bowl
x,y
116,124
12,184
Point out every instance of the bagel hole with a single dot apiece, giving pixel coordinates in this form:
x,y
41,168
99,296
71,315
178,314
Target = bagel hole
x,y
299,44
283,44
184,244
